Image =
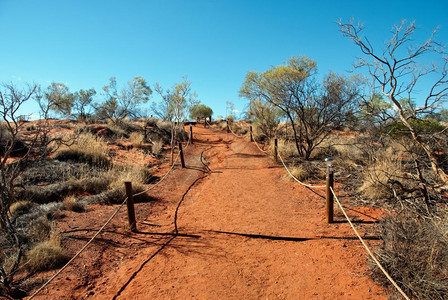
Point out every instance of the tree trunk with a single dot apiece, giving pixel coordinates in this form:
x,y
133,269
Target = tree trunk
x,y
299,151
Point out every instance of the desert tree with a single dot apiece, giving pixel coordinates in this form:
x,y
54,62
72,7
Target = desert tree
x,y
201,111
83,100
312,110
265,116
56,98
125,103
173,106
399,69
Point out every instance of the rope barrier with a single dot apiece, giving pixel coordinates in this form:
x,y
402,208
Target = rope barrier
x,y
259,148
293,177
240,136
102,228
368,249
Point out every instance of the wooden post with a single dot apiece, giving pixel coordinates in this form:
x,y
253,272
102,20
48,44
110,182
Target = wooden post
x,y
228,127
130,205
329,204
182,161
251,134
146,135
191,134
276,149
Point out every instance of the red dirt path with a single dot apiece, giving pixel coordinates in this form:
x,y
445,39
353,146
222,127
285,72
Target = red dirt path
x,y
244,233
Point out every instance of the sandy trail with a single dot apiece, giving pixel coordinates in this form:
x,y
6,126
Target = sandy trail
x,y
244,233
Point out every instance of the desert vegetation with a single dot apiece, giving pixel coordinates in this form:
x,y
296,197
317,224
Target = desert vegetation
x,y
389,152
49,166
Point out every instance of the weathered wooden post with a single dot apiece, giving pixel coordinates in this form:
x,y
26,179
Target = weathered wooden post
x,y
130,206
276,149
182,161
228,127
191,134
330,184
251,134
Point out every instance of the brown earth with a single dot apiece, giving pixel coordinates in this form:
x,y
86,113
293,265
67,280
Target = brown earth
x,y
237,232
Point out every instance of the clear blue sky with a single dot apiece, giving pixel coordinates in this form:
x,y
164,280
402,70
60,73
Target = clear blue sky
x,y
84,43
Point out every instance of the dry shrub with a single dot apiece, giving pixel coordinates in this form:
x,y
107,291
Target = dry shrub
x,y
414,253
46,255
71,204
379,173
139,176
86,148
157,147
306,171
136,139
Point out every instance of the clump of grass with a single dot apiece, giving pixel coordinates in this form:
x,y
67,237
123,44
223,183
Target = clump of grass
x,y
306,171
157,147
87,148
378,175
136,139
139,176
46,255
71,204
286,149
414,252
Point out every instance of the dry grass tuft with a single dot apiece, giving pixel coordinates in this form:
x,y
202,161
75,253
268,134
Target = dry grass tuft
x,y
306,171
378,175
46,255
71,204
87,148
286,149
157,147
136,139
139,176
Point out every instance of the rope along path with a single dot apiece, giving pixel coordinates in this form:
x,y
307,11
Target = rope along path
x,y
102,228
368,249
237,135
293,177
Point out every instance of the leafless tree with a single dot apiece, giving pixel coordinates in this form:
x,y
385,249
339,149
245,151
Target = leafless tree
x,y
17,153
398,71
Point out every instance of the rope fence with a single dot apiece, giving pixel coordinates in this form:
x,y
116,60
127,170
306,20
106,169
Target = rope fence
x,y
105,224
334,196
368,249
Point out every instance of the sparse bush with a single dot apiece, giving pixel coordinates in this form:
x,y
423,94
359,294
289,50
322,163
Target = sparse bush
x,y
139,176
87,148
46,255
286,149
71,204
414,253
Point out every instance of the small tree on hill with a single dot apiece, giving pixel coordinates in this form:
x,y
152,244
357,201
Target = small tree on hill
x,y
201,111
125,103
83,104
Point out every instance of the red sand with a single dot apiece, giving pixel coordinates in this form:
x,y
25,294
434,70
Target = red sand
x,y
244,233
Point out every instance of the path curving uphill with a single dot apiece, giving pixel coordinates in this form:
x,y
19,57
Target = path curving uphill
x,y
243,232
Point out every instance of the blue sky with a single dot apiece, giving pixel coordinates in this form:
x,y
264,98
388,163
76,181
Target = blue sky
x,y
84,43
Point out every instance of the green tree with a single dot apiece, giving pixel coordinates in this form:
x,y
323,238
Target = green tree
x,y
82,103
57,98
173,106
313,110
125,103
200,111
265,116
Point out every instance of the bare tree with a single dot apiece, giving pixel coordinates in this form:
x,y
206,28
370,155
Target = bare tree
x,y
398,71
11,99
